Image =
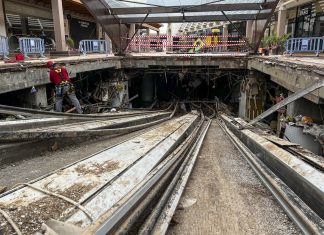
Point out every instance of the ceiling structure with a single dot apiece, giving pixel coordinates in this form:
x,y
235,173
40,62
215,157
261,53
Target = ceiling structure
x,y
133,11
114,15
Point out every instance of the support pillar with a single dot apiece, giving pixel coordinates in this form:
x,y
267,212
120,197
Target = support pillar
x,y
109,42
148,34
282,20
99,31
249,32
24,25
3,31
58,20
225,36
169,37
132,30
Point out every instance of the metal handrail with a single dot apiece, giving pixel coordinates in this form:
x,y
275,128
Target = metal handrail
x,y
309,44
31,46
94,46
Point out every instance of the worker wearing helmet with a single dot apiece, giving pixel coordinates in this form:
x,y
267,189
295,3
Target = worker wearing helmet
x,y
63,86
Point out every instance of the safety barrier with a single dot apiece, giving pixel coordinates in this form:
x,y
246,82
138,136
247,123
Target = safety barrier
x,y
31,46
94,46
4,47
311,44
186,44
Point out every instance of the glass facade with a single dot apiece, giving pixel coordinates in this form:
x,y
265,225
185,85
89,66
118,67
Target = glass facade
x,y
308,22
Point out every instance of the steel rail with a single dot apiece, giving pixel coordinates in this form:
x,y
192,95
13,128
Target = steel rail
x,y
22,124
76,162
154,203
30,112
304,179
115,217
161,216
168,139
305,218
112,129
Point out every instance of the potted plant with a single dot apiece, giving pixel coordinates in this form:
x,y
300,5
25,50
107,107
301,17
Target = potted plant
x,y
274,44
70,44
282,41
263,47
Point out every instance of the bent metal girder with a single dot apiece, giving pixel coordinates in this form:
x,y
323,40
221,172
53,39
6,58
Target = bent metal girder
x,y
112,173
116,15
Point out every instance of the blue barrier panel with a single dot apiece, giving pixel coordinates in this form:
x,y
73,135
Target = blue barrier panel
x,y
4,47
311,44
31,46
94,46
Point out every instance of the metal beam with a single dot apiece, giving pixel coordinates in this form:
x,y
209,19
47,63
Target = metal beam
x,y
192,8
198,18
286,101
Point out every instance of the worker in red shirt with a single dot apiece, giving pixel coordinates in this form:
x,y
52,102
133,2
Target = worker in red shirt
x,y
63,87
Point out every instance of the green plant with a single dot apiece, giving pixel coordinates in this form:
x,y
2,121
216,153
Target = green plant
x,y
283,39
273,41
70,43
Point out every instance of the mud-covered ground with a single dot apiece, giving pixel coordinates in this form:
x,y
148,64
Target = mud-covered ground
x,y
224,196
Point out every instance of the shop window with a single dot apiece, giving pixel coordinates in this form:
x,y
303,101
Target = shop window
x,y
319,25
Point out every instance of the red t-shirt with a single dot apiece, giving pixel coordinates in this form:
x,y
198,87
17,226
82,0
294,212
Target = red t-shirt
x,y
57,75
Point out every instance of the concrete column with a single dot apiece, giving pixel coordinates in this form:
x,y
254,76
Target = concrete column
x,y
169,37
132,30
169,31
24,25
109,42
58,20
249,31
267,32
282,20
3,31
225,35
99,31
147,34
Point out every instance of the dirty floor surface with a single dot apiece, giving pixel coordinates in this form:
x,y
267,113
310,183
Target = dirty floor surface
x,y
224,196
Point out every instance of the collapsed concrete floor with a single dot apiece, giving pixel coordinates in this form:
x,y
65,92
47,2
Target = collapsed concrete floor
x,y
223,190
229,199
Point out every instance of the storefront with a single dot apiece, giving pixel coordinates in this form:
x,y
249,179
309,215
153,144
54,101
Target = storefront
x,y
306,20
82,29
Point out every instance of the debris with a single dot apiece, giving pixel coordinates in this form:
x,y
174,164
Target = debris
x,y
70,110
3,189
188,202
55,146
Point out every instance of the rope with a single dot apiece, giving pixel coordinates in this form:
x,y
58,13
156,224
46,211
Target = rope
x,y
11,222
61,197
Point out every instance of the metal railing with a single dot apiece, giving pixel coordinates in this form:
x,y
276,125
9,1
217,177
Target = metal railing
x,y
311,44
186,44
94,46
31,46
4,47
